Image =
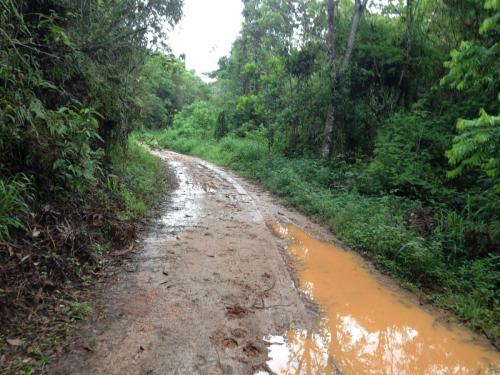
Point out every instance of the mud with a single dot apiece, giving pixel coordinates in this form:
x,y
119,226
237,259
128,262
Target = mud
x,y
367,326
213,290
209,284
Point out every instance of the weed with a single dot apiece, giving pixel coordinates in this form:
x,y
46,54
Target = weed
x,y
377,226
79,310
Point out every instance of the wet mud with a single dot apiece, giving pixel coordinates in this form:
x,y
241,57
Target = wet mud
x,y
210,282
367,326
215,291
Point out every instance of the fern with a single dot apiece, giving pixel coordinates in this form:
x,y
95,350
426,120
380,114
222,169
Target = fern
x,y
14,195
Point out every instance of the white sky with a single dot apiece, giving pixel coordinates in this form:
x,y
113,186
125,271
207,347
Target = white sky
x,y
206,32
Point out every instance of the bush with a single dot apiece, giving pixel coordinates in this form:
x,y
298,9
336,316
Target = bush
x,y
409,155
425,248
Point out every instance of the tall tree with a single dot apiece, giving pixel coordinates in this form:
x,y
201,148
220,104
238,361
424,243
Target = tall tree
x,y
337,73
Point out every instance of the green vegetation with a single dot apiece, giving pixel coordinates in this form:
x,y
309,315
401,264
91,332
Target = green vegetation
x,y
76,77
383,122
13,197
79,310
137,179
369,120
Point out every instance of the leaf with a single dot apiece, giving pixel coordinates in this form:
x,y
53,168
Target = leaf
x,y
15,342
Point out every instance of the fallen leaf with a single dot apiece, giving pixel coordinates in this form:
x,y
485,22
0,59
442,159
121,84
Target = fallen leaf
x,y
15,342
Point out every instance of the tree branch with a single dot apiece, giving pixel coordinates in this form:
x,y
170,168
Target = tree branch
x,y
331,7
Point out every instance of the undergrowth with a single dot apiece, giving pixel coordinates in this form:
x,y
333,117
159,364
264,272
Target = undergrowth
x,y
51,250
395,232
141,183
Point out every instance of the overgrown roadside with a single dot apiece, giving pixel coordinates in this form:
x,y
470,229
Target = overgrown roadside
x,y
70,95
387,229
49,266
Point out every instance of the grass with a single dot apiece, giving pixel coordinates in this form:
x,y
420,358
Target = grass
x,y
138,180
136,184
79,310
376,226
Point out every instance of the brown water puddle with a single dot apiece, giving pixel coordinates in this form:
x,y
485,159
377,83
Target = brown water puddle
x,y
368,327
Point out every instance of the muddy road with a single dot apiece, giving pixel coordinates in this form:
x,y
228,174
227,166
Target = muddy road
x,y
225,283
209,284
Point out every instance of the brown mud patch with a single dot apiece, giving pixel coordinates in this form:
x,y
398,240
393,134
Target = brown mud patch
x,y
366,326
210,282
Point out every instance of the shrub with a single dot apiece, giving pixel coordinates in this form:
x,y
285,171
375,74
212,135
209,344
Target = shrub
x,y
14,198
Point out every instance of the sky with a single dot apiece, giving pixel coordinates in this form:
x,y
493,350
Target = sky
x,y
206,32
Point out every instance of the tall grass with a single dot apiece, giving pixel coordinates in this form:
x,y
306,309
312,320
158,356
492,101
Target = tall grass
x,y
14,198
138,180
376,226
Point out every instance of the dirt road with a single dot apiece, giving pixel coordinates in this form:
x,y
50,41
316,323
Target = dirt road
x,y
210,283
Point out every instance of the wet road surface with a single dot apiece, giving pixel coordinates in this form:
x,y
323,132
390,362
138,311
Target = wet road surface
x,y
368,326
215,291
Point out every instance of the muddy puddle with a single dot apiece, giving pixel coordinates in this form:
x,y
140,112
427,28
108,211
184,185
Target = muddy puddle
x,y
186,198
368,327
185,204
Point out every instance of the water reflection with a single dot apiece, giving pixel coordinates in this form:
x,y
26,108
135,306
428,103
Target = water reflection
x,y
303,352
368,328
185,203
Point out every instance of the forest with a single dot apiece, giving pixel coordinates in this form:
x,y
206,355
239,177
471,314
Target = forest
x,y
77,77
380,119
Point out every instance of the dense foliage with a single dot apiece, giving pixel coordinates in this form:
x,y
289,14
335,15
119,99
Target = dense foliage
x,y
408,94
76,77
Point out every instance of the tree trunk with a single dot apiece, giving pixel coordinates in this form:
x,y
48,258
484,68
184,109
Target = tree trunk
x,y
334,128
359,7
244,59
404,76
326,148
